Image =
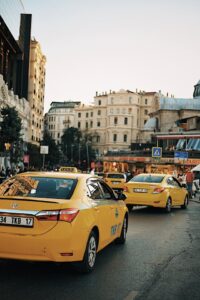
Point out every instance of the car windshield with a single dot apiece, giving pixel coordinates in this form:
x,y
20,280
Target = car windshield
x,y
40,187
147,178
115,176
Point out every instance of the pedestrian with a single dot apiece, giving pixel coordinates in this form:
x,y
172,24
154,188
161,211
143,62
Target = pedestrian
x,y
189,176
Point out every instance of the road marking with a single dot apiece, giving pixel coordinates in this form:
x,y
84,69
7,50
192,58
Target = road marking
x,y
131,295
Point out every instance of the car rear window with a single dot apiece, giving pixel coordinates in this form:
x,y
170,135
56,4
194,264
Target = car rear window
x,y
147,178
39,187
115,176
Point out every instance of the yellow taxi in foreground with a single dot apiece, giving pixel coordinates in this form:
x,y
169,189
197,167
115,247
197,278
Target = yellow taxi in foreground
x,y
157,190
115,180
60,217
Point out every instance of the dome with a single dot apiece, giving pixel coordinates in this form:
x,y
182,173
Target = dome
x,y
196,93
151,124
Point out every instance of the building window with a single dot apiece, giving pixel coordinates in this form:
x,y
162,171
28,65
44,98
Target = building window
x,y
125,121
146,112
145,121
99,112
79,124
58,135
99,102
86,115
146,101
114,137
91,114
98,139
115,121
98,124
125,137
79,115
86,125
91,124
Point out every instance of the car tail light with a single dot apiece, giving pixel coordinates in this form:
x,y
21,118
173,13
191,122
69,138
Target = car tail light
x,y
158,190
66,215
125,189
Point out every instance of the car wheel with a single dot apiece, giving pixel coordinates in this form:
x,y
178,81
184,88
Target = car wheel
x,y
88,263
122,238
185,204
130,207
168,205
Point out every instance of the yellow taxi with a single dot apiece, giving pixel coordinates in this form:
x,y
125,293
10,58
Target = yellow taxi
x,y
69,169
157,190
59,217
115,180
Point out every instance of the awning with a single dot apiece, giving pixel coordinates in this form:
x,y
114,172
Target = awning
x,y
177,136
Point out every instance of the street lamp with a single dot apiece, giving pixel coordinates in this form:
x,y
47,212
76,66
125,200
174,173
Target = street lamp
x,y
88,159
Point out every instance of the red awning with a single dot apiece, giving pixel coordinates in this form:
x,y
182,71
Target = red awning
x,y
177,137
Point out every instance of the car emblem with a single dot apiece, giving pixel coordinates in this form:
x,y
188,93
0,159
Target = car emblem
x,y
14,205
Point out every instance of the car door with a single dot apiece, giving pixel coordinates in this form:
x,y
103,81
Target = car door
x,y
172,189
101,211
116,210
179,194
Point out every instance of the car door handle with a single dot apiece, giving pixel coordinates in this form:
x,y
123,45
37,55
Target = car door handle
x,y
96,208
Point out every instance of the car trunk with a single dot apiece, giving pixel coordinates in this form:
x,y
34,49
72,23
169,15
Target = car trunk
x,y
18,216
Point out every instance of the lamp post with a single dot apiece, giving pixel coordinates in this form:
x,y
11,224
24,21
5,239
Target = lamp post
x,y
88,159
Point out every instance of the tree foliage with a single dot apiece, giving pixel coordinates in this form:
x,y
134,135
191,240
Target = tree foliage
x,y
76,148
10,132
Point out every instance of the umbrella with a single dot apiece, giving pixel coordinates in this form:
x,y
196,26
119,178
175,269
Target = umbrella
x,y
197,168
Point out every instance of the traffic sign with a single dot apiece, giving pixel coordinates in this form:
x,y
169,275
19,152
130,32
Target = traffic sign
x,y
181,155
156,152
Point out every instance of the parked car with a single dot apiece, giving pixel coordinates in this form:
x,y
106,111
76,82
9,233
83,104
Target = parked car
x,y
59,217
115,180
157,190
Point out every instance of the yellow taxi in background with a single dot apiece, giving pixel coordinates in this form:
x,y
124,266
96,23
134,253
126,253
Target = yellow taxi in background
x,y
69,169
59,217
157,190
115,180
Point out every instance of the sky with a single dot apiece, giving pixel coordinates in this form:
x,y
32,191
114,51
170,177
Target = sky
x,y
103,45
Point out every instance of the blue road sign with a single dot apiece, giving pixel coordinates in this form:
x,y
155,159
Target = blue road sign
x,y
156,152
181,155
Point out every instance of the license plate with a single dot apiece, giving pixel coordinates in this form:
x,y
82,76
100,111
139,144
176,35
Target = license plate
x,y
140,190
16,221
115,182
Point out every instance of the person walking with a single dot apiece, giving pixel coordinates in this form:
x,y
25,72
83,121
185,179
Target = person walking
x,y
189,182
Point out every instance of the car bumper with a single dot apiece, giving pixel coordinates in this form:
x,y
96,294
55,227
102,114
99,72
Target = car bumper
x,y
157,200
57,245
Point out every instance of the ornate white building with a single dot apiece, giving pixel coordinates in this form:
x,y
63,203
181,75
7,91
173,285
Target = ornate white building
x,y
60,116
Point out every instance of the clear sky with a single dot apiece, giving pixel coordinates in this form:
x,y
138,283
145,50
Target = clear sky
x,y
102,45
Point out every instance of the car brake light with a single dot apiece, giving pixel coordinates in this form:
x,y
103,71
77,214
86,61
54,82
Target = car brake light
x,y
66,215
158,190
125,188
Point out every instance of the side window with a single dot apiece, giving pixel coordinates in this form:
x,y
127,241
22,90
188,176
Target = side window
x,y
107,194
94,190
170,181
175,182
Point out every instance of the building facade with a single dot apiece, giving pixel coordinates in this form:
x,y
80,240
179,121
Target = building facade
x,y
36,90
60,116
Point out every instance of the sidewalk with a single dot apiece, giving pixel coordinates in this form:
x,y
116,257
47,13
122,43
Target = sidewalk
x,y
196,198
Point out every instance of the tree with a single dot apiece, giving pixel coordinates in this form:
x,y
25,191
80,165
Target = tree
x,y
77,148
10,133
53,157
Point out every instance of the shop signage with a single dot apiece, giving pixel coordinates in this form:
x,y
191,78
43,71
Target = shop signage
x,y
180,155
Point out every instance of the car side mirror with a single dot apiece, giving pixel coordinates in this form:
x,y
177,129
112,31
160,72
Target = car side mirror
x,y
121,196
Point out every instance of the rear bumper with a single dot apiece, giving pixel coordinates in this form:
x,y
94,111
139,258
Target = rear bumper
x,y
158,200
56,245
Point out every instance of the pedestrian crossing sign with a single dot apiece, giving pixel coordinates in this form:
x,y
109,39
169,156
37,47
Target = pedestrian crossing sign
x,y
156,152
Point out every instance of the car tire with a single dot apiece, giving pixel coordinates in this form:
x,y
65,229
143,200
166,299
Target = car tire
x,y
122,238
130,207
168,205
185,204
89,259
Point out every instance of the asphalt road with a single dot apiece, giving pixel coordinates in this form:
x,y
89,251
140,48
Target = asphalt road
x,y
161,260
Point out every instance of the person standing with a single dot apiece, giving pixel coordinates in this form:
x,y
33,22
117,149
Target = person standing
x,y
189,181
